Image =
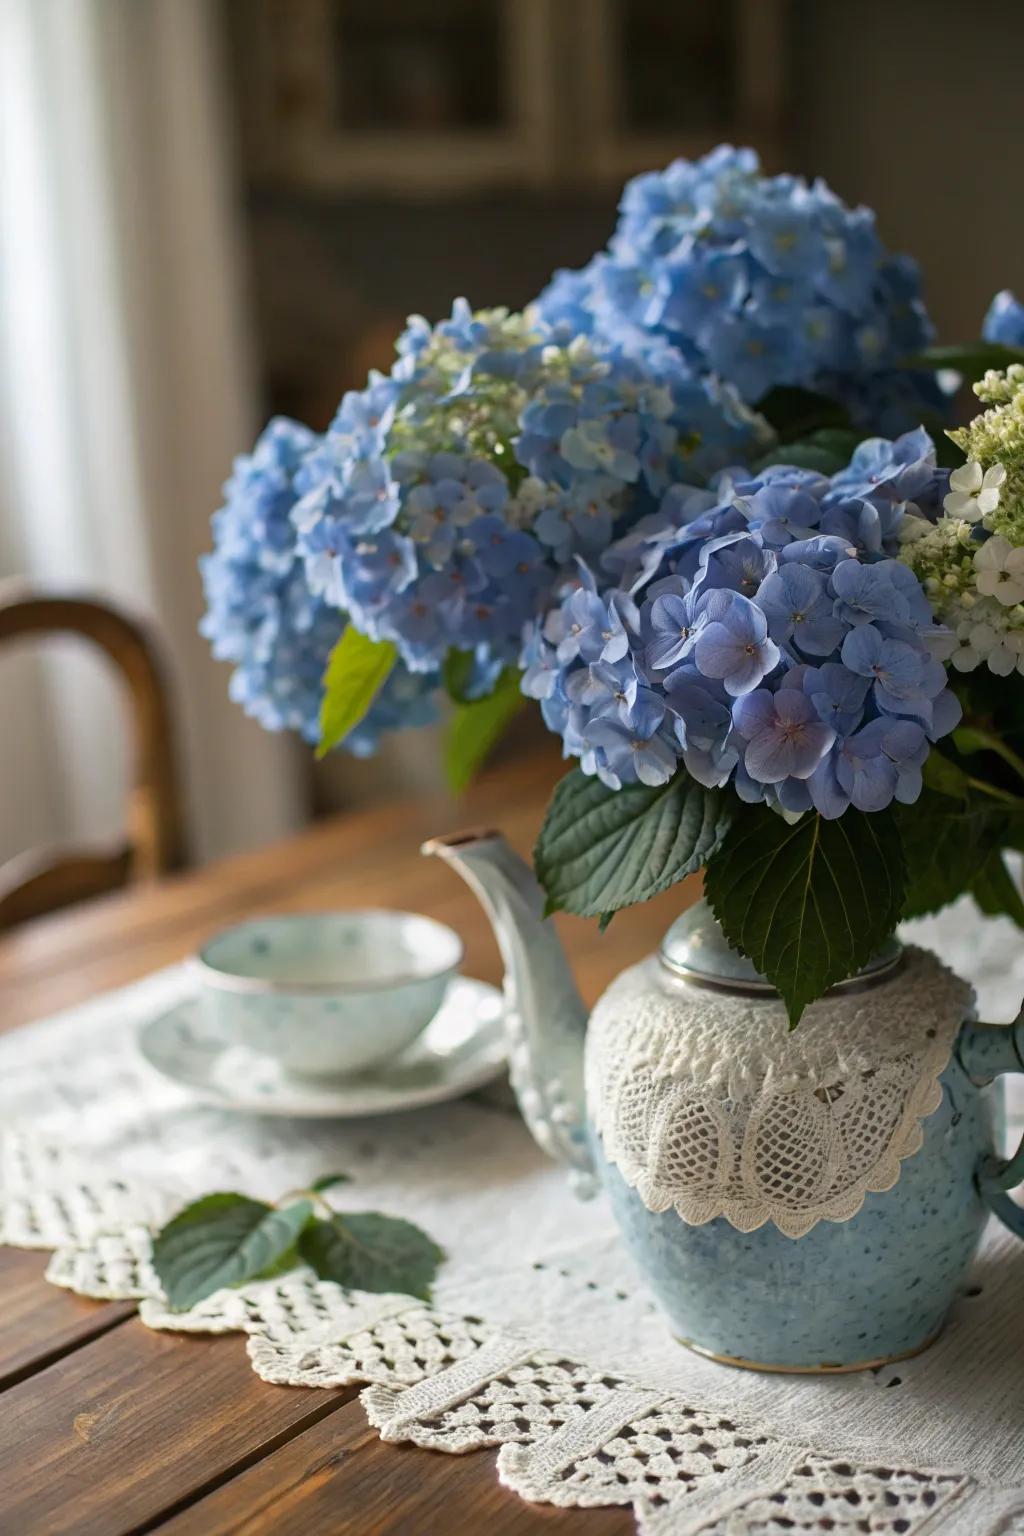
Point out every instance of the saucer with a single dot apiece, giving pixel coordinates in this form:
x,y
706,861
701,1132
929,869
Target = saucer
x,y
462,1048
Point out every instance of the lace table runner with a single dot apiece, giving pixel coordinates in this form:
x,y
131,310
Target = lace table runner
x,y
540,1339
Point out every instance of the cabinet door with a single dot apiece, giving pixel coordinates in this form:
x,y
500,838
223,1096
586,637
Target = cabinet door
x,y
658,80
416,97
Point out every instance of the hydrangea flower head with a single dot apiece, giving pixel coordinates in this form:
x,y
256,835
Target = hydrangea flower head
x,y
447,498
763,281
751,647
1004,322
970,560
262,614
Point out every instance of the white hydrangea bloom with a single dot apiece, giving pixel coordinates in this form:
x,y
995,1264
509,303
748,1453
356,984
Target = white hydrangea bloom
x,y
984,636
1000,569
974,493
1001,660
913,528
1014,644
974,642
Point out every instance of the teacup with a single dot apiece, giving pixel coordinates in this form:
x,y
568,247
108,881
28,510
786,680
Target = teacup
x,y
327,994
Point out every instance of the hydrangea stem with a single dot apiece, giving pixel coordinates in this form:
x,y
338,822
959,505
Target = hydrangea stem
x,y
973,738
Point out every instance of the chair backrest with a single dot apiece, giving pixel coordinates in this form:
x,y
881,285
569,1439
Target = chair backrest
x,y
43,879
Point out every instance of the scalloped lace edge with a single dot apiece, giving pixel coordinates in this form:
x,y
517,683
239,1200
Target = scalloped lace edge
x,y
568,1435
924,1100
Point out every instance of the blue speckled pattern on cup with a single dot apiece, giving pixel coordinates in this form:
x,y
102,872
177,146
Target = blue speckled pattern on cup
x,y
846,1293
327,994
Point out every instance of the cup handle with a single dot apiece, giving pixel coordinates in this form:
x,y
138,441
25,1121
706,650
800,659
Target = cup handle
x,y
987,1051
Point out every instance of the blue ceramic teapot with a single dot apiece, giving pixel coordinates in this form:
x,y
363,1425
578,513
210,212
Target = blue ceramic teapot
x,y
803,1200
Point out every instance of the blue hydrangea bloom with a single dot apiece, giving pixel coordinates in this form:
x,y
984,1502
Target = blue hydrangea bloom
x,y
732,645
447,499
262,613
783,735
582,508
1004,321
761,280
726,632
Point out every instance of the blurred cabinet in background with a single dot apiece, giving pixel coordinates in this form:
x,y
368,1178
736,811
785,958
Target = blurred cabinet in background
x,y
657,80
412,97
426,97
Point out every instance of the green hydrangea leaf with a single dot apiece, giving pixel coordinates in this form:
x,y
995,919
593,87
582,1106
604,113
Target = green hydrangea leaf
x,y
809,902
996,892
456,672
945,844
971,738
357,669
1013,837
476,728
369,1252
328,1181
223,1239
945,777
826,451
973,359
600,849
795,412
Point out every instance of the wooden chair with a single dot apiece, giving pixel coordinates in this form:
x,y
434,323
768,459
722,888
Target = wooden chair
x,y
43,879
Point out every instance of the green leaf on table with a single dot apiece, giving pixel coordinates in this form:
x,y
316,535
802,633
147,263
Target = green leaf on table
x,y
328,1181
476,728
220,1240
825,451
602,849
996,892
945,843
795,412
369,1252
811,901
357,669
973,359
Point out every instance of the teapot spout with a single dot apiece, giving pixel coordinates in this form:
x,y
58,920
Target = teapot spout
x,y
545,1017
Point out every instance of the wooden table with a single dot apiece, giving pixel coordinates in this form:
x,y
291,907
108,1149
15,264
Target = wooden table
x,y
107,1427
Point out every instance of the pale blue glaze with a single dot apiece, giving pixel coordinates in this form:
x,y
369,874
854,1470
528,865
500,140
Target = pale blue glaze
x,y
873,1287
327,994
846,1293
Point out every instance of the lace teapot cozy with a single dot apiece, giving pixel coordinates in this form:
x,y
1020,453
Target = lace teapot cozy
x,y
708,1103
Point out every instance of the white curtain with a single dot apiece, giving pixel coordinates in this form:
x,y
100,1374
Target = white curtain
x,y
125,389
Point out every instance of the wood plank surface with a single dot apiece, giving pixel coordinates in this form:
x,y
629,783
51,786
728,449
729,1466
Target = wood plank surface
x,y
113,1429
360,860
340,1477
39,1322
371,858
137,1424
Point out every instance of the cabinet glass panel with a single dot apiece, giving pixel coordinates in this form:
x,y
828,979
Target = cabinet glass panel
x,y
678,64
418,65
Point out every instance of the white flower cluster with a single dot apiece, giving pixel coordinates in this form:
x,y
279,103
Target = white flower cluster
x,y
971,562
974,492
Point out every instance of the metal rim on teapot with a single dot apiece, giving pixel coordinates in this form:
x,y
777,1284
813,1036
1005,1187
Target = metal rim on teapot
x,y
695,950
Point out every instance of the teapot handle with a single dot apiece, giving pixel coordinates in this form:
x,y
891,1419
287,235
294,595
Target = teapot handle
x,y
987,1051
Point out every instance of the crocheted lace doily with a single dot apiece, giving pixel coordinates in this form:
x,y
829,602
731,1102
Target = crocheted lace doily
x,y
569,1434
707,1102
541,1340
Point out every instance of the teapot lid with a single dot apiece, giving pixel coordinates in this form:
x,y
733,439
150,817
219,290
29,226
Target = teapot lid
x,y
696,949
